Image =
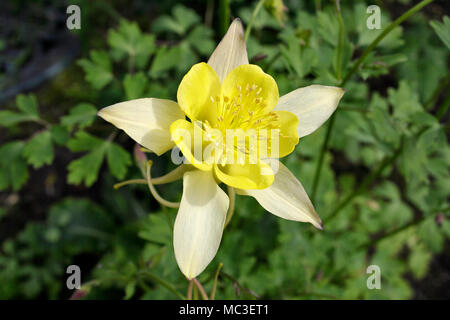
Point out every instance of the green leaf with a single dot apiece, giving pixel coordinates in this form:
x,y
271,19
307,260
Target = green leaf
x,y
424,118
79,219
13,168
86,168
98,70
82,114
419,260
84,142
11,118
379,65
156,230
367,36
165,59
60,134
130,290
27,104
446,227
39,150
430,234
328,27
201,38
442,30
427,60
182,19
135,85
300,59
383,125
404,101
129,41
118,160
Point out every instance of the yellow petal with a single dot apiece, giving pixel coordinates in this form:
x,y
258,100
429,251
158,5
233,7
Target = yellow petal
x,y
196,89
190,139
241,79
146,120
199,223
231,51
312,105
247,176
286,198
288,136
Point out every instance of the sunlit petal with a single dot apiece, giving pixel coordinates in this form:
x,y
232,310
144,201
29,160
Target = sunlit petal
x,y
286,198
196,93
199,223
250,82
190,139
247,176
145,120
231,51
312,105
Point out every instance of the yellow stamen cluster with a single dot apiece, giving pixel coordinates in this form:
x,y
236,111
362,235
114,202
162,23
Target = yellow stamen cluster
x,y
243,111
246,110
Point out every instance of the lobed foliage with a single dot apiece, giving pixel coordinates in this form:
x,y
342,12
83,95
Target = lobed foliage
x,y
391,121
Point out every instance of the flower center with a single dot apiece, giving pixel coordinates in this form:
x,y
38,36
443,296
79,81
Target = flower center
x,y
243,124
245,110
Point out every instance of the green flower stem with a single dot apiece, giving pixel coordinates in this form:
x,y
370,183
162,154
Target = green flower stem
x,y
232,196
237,284
443,108
443,85
387,161
42,122
272,61
355,68
252,19
90,232
200,288
195,293
321,157
386,31
318,5
209,13
340,42
189,290
391,233
162,282
131,63
216,277
224,16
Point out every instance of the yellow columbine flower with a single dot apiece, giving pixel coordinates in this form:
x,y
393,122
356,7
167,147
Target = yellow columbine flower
x,y
227,93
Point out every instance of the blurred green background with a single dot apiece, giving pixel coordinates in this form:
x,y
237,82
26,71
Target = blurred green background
x,y
384,189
